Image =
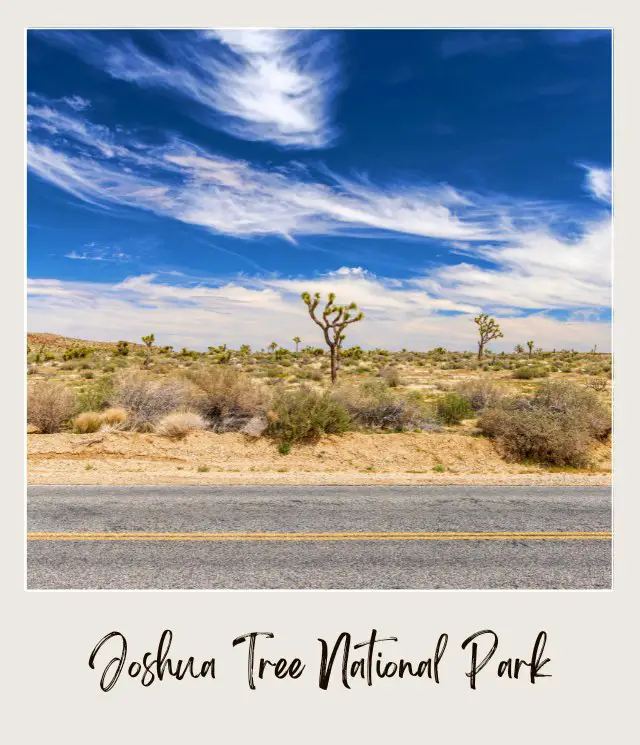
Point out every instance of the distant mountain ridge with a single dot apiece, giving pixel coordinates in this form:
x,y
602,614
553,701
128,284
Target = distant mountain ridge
x,y
56,341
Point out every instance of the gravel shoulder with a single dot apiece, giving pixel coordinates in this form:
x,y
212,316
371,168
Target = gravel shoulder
x,y
205,458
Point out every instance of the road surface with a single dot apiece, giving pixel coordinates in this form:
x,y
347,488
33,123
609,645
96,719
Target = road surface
x,y
340,537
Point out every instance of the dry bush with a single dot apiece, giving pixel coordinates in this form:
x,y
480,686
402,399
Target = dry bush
x,y
87,421
480,393
557,426
373,406
391,375
226,398
305,414
179,424
114,417
49,406
146,400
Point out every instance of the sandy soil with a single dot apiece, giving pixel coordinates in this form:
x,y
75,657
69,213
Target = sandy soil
x,y
206,458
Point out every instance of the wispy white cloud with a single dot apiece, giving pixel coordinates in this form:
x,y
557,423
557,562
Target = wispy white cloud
x,y
271,85
77,103
94,252
533,271
598,183
258,310
233,197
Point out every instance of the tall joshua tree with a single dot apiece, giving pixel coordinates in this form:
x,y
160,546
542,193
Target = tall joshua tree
x,y
148,342
530,345
296,340
333,321
488,330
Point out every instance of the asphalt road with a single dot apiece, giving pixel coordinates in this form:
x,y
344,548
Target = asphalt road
x,y
231,551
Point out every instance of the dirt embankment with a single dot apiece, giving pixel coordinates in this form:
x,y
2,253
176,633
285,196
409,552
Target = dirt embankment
x,y
207,458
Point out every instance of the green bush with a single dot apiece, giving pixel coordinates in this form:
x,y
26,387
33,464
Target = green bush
x,y
528,373
305,414
453,408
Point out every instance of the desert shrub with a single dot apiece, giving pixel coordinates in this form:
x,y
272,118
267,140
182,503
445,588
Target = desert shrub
x,y
453,408
372,405
305,414
180,423
390,375
530,372
95,396
226,398
145,400
557,426
87,421
114,417
49,406
480,393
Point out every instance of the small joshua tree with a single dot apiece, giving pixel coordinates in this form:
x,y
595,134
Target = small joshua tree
x,y
273,346
488,330
530,345
148,342
296,340
333,322
518,349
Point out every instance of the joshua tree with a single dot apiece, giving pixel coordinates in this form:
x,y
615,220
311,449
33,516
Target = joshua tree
x,y
148,342
488,330
273,346
333,322
530,345
518,349
245,350
297,340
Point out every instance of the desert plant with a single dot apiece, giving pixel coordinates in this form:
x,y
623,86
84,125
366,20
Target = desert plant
x,y
122,348
372,405
390,375
145,400
334,320
86,422
114,417
557,426
488,330
598,384
518,349
296,340
148,343
179,424
49,406
453,408
530,347
226,398
528,373
305,414
480,393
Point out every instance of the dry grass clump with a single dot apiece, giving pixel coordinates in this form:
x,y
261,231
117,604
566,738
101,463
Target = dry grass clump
x,y
480,393
86,422
114,417
372,405
179,424
557,426
305,414
49,406
146,400
226,398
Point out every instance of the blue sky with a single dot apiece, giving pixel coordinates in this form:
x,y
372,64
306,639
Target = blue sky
x,y
193,183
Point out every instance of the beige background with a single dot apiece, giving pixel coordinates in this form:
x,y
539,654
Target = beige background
x,y
49,691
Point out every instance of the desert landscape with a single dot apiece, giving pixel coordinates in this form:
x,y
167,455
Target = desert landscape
x,y
126,413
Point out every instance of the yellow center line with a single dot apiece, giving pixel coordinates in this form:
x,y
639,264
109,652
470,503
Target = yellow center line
x,y
352,536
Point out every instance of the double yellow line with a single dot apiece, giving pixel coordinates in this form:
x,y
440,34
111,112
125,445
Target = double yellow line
x,y
353,536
